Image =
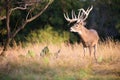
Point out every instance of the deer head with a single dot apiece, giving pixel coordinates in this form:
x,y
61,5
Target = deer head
x,y
79,19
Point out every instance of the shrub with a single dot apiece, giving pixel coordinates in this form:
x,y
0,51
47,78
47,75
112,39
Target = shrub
x,y
30,53
47,35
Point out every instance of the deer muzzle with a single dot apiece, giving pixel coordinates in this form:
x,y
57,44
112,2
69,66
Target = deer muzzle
x,y
72,29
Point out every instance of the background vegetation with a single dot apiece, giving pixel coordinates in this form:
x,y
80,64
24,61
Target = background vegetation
x,y
105,18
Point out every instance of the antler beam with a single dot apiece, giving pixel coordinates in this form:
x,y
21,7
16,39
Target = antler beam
x,y
74,18
82,15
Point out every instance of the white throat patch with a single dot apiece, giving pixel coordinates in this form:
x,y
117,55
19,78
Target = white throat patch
x,y
72,30
80,32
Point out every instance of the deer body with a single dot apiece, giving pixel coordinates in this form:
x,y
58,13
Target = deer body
x,y
89,36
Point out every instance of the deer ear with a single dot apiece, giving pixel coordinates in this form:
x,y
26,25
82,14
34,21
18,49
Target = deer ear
x,y
84,23
80,23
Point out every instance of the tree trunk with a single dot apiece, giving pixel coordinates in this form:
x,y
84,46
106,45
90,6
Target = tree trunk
x,y
8,29
6,46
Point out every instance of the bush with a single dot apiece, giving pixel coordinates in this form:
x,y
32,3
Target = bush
x,y
48,35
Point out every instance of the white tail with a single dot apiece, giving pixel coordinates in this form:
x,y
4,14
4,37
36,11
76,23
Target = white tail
x,y
89,36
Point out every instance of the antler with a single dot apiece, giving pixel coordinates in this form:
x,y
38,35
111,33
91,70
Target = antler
x,y
82,15
74,18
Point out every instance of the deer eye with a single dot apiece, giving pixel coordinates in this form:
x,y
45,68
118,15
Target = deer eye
x,y
77,25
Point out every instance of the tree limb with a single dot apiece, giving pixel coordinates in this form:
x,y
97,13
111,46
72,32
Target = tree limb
x,y
34,17
21,27
29,20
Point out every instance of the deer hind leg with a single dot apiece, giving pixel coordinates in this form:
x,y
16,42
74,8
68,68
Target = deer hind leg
x,y
90,50
95,50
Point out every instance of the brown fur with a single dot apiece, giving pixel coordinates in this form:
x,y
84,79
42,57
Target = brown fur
x,y
89,37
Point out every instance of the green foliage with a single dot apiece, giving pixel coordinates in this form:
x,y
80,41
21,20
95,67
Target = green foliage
x,y
84,73
118,26
46,61
5,77
30,53
100,59
73,38
47,35
64,77
2,10
2,13
104,14
3,31
0,23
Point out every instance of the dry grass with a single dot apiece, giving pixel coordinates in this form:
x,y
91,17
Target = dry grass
x,y
70,64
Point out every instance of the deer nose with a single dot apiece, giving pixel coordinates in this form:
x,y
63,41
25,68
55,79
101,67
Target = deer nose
x,y
71,29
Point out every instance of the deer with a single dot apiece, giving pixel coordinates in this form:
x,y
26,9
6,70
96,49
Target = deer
x,y
89,37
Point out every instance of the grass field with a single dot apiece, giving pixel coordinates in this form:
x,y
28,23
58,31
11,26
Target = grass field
x,y
27,64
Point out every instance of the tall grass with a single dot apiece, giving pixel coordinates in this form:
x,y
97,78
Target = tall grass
x,y
27,64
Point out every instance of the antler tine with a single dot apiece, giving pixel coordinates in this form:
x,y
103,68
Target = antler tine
x,y
81,11
84,13
72,14
81,14
66,16
89,9
74,18
87,12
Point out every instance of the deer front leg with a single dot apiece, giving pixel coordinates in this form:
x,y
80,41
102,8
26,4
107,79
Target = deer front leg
x,y
85,49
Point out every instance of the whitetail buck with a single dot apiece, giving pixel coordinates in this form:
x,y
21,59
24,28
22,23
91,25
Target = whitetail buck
x,y
89,36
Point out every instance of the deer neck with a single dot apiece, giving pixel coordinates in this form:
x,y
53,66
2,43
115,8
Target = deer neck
x,y
84,33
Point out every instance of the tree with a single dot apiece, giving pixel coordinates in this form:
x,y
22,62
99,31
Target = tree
x,y
32,10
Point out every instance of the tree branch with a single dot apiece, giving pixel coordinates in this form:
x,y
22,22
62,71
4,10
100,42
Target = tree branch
x,y
25,6
13,9
19,8
29,20
29,13
34,17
